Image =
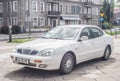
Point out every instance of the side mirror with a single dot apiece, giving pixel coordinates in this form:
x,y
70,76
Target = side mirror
x,y
83,38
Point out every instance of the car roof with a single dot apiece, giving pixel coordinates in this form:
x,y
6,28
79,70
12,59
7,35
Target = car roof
x,y
78,26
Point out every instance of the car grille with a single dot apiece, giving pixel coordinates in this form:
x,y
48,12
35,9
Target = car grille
x,y
27,51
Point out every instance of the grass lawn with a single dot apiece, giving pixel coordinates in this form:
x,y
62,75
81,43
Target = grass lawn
x,y
20,40
113,33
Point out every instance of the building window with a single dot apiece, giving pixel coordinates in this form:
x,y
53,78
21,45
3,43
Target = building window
x,y
73,9
55,7
69,9
34,5
77,9
15,21
35,21
95,11
15,5
85,10
1,22
89,10
11,8
1,7
61,7
48,7
66,9
42,6
42,21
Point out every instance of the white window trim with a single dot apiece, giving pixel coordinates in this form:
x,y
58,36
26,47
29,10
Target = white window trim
x,y
15,20
42,10
15,9
1,8
36,5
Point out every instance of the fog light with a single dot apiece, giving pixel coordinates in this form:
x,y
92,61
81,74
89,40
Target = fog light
x,y
37,61
43,66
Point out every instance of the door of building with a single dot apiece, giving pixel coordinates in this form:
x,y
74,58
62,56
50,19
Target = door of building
x,y
54,23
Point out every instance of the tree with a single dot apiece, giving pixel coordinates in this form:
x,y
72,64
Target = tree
x,y
107,9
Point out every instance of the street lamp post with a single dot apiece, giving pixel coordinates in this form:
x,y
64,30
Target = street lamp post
x,y
10,33
28,20
10,23
110,15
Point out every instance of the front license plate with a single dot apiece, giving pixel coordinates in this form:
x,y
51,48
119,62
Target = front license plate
x,y
22,60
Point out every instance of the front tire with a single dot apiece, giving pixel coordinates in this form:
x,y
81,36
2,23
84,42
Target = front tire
x,y
107,53
67,63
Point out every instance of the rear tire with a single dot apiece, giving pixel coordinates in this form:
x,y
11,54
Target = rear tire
x,y
67,63
107,53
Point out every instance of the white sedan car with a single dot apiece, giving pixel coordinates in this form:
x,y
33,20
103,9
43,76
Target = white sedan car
x,y
63,47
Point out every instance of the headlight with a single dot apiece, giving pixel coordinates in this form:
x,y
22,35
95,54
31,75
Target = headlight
x,y
47,52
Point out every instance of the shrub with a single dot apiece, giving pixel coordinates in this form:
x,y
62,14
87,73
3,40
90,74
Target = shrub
x,y
107,25
15,29
5,30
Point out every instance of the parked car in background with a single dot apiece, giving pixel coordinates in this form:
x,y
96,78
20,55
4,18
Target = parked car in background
x,y
63,47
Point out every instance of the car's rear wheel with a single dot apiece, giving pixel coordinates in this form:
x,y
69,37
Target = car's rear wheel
x,y
67,63
107,53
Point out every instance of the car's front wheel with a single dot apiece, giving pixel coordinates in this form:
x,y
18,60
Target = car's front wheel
x,y
107,53
67,63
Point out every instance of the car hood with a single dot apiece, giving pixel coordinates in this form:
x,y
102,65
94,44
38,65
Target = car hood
x,y
42,44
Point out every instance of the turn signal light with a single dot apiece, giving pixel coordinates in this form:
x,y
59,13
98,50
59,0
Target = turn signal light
x,y
37,61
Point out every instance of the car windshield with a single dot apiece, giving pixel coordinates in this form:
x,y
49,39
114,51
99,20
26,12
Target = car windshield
x,y
63,33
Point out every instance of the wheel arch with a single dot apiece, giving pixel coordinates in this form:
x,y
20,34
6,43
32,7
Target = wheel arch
x,y
71,52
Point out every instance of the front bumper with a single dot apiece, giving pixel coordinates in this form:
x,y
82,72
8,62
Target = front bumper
x,y
46,63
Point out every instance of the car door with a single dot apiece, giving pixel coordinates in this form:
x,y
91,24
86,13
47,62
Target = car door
x,y
98,44
85,47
